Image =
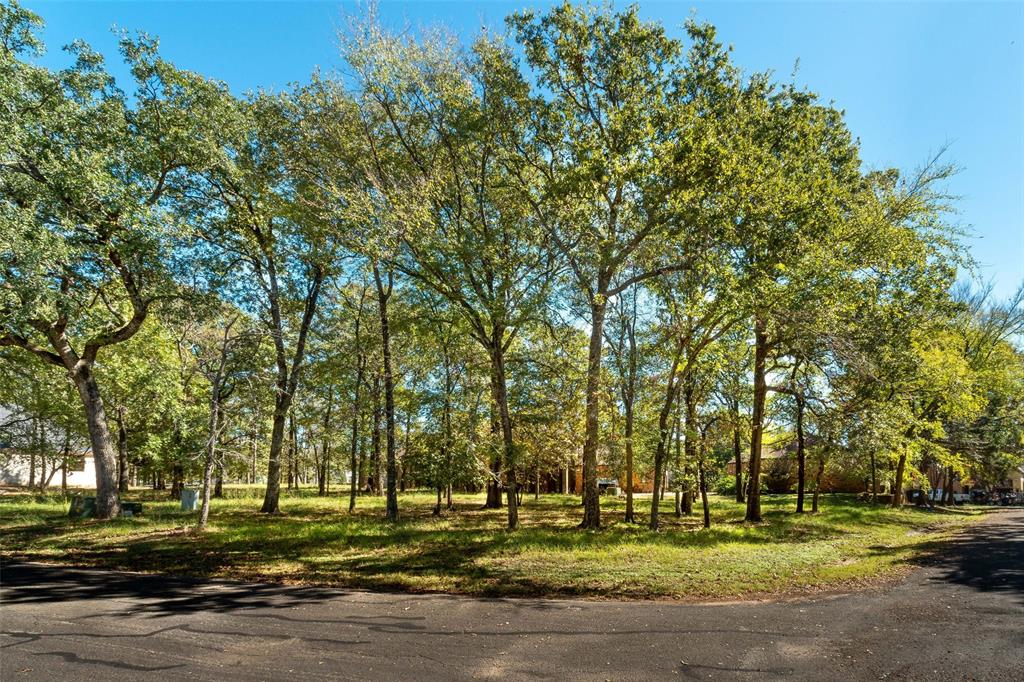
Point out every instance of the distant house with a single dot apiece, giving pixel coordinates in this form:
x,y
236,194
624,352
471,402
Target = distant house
x,y
643,482
779,471
1015,482
15,468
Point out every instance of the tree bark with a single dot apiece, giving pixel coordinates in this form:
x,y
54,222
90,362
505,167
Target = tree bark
x,y
375,458
324,468
757,419
273,493
874,479
499,391
897,489
690,443
800,454
122,452
107,503
287,375
703,484
211,453
629,461
591,498
360,366
664,434
737,452
383,295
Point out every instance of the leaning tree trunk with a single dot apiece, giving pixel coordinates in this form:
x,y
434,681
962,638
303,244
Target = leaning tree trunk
x,y
211,454
107,503
591,500
273,494
757,419
664,435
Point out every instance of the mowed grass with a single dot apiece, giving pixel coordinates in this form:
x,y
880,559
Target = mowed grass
x,y
316,541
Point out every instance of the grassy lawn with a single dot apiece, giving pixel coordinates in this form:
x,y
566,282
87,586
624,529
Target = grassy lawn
x,y
315,541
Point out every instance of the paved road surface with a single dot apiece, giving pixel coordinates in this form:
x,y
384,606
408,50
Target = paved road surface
x,y
959,618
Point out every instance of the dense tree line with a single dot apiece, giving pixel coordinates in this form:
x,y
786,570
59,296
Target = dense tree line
x,y
586,245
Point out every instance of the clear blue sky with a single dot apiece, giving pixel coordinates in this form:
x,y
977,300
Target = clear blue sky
x,y
912,77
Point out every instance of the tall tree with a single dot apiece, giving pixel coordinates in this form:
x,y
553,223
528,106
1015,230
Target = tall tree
x,y
277,250
621,147
87,175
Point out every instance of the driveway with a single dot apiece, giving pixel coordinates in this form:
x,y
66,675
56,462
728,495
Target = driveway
x,y
960,617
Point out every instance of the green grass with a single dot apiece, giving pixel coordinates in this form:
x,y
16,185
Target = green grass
x,y
314,541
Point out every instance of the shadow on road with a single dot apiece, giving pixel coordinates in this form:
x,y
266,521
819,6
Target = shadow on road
x,y
989,558
167,595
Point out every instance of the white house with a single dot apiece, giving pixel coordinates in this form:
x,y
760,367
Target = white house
x,y
14,470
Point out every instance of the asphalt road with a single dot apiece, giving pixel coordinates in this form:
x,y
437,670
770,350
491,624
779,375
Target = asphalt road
x,y
961,617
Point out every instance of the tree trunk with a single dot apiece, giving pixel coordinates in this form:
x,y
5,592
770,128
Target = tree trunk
x,y
273,494
500,395
107,504
383,294
703,484
737,452
494,480
375,459
757,419
34,445
817,483
65,456
874,479
287,377
293,449
897,490
211,452
218,487
360,365
324,469
591,499
122,452
536,479
629,461
690,443
664,435
800,455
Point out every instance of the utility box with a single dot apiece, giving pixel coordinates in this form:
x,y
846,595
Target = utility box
x,y
189,499
129,509
82,507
